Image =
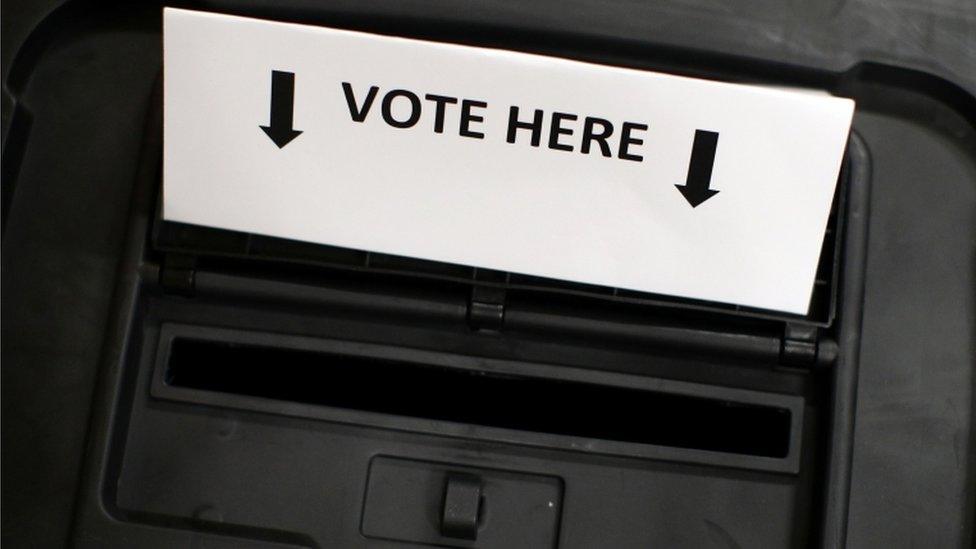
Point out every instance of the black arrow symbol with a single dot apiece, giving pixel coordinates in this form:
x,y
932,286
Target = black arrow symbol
x,y
282,109
699,178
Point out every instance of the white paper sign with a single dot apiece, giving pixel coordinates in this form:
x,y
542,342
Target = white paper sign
x,y
496,159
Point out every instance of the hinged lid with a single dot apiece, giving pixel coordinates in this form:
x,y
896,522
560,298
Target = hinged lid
x,y
188,248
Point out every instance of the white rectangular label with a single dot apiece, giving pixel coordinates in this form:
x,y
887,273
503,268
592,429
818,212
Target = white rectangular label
x,y
496,159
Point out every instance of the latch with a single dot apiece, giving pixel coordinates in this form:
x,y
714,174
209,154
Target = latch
x,y
462,506
486,308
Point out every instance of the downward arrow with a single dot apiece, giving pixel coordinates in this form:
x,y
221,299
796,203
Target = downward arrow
x,y
699,178
282,109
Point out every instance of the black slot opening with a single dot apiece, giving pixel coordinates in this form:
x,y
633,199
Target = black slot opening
x,y
476,397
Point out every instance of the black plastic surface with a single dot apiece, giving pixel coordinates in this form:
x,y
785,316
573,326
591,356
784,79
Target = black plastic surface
x,y
81,299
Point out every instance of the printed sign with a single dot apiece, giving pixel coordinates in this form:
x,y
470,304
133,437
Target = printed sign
x,y
496,159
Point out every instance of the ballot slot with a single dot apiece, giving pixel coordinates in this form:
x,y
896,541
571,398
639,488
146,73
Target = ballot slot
x,y
364,384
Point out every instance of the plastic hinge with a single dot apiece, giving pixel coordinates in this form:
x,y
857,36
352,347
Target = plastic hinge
x,y
177,275
800,343
486,308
